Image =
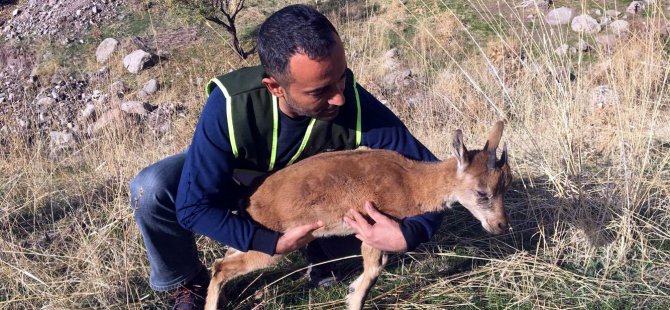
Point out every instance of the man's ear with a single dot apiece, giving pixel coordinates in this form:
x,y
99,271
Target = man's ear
x,y
273,86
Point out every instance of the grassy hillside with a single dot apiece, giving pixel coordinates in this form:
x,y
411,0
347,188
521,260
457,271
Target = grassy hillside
x,y
590,202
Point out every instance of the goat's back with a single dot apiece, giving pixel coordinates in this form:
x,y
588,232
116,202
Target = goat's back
x,y
324,187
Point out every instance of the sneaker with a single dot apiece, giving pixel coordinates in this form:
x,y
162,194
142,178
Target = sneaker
x,y
191,296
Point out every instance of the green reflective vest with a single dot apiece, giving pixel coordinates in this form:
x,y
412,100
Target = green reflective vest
x,y
253,122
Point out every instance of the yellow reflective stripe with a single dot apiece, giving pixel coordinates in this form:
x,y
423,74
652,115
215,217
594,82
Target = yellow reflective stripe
x,y
229,115
275,132
304,141
358,114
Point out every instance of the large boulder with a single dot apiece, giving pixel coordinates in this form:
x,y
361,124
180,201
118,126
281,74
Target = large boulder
x,y
138,61
559,16
585,23
105,49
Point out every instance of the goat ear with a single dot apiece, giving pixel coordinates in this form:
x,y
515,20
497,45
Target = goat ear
x,y
460,152
503,156
494,137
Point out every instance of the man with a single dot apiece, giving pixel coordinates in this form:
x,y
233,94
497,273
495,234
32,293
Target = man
x,y
303,100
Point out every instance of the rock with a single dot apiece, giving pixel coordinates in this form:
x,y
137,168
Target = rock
x,y
605,20
142,94
199,81
16,12
562,50
585,23
582,46
619,27
119,88
612,13
88,111
57,79
134,107
559,16
105,49
150,87
597,12
137,61
46,101
540,4
111,119
61,141
392,53
636,7
602,96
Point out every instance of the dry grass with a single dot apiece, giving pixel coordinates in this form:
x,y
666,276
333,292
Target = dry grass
x,y
590,204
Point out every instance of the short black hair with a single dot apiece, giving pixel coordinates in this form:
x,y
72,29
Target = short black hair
x,y
293,29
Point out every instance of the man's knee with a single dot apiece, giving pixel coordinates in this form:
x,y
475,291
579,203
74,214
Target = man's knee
x,y
151,189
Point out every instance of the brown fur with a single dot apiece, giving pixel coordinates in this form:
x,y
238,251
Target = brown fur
x,y
324,187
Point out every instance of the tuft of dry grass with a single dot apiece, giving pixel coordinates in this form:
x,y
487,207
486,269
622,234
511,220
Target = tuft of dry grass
x,y
589,206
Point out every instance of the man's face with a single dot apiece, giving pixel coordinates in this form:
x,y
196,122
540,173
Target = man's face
x,y
316,86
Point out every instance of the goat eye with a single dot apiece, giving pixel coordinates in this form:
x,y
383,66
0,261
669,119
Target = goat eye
x,y
482,195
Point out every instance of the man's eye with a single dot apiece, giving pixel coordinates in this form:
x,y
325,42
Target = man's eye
x,y
482,196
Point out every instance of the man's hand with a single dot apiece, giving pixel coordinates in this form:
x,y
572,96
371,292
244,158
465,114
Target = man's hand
x,y
384,234
296,238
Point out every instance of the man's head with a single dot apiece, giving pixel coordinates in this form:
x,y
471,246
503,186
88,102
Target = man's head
x,y
304,58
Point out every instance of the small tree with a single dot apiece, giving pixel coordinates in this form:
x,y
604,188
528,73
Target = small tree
x,y
212,10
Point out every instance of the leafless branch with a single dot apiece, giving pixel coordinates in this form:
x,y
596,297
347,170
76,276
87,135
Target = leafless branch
x,y
229,9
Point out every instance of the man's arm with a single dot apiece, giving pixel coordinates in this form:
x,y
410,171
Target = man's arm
x,y
383,130
206,195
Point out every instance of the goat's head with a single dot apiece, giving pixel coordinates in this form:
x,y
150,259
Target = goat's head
x,y
482,180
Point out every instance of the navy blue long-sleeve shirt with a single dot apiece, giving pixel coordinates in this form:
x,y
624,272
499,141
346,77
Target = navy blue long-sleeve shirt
x,y
206,196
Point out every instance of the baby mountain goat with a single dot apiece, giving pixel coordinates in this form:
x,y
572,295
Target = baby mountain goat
x,y
324,187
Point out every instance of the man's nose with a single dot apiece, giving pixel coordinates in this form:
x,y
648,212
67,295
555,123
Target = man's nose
x,y
337,99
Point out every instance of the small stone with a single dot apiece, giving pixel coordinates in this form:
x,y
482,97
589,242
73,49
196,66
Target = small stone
x,y
16,12
597,12
612,13
559,16
602,96
88,111
619,27
137,61
105,49
61,140
119,88
562,50
151,86
585,23
134,107
582,46
636,7
392,53
46,101
142,94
